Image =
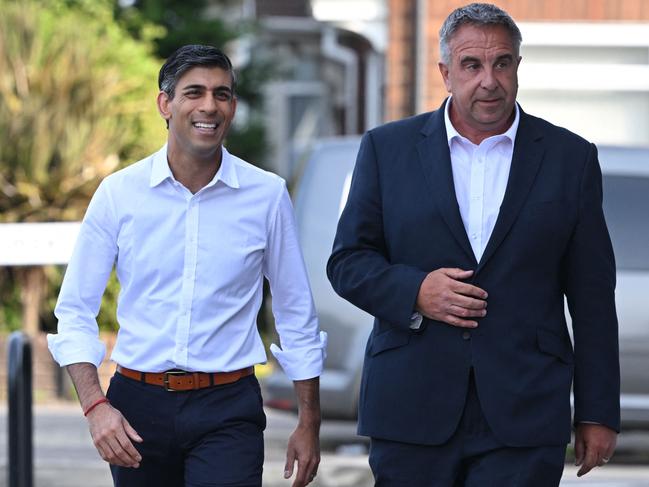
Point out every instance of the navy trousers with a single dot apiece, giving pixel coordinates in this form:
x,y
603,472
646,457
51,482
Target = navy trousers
x,y
473,457
204,438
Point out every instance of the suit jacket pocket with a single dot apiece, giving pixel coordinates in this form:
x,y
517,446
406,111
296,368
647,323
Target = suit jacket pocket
x,y
553,344
389,339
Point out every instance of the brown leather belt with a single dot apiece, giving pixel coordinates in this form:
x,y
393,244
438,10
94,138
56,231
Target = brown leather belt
x,y
179,380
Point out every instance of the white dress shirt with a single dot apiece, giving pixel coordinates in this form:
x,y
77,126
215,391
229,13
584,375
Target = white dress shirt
x,y
480,175
191,268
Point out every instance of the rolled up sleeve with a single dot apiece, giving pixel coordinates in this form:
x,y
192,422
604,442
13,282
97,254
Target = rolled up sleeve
x,y
302,348
77,339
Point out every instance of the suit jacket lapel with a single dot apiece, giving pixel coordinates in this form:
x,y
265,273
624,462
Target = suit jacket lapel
x,y
435,161
526,160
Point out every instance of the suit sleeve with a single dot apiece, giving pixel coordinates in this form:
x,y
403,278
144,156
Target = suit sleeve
x,y
359,268
590,291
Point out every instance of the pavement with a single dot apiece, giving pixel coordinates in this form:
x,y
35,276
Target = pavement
x,y
65,457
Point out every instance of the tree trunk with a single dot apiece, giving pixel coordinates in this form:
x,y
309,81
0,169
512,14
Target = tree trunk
x,y
33,284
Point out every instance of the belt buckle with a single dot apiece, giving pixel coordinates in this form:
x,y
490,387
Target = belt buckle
x,y
166,379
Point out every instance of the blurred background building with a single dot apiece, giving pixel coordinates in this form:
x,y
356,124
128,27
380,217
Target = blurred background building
x,y
585,63
327,72
343,66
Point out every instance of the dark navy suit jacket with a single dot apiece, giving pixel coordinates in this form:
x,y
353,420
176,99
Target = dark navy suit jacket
x,y
402,221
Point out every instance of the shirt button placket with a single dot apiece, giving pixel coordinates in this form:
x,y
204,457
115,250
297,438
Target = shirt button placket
x,y
189,278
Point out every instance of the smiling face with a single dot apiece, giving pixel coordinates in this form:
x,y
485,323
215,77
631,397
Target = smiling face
x,y
200,113
482,76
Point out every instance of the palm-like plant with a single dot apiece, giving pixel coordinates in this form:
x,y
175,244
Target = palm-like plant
x,y
76,99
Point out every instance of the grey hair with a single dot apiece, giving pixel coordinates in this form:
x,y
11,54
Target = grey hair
x,y
479,14
191,56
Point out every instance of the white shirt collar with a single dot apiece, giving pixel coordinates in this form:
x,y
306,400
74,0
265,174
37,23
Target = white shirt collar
x,y
227,173
452,133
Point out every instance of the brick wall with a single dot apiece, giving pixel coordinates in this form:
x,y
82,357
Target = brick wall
x,y
400,56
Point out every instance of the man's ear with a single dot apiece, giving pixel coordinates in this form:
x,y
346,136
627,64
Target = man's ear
x,y
163,105
443,69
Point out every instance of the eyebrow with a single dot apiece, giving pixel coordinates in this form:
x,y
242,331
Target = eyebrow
x,y
469,59
472,59
203,87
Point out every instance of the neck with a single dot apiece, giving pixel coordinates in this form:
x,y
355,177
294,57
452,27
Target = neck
x,y
191,170
475,134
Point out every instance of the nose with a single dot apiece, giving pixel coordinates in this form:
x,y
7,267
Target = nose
x,y
209,104
488,81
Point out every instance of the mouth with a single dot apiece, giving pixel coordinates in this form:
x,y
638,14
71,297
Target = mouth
x,y
206,127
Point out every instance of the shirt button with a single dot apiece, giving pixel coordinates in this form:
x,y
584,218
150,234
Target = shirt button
x,y
466,335
474,236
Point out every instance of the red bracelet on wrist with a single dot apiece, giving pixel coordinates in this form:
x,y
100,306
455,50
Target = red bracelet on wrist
x,y
95,404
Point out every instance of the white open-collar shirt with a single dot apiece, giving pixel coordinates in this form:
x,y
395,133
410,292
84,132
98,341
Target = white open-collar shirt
x,y
480,175
191,269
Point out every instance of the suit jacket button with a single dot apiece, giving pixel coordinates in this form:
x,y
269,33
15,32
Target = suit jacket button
x,y
466,335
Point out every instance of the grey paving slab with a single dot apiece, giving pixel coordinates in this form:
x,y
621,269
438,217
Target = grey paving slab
x,y
65,457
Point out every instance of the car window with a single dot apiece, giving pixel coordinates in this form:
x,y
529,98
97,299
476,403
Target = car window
x,y
626,206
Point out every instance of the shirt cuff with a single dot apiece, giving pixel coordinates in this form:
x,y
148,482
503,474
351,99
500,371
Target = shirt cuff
x,y
416,320
303,363
72,348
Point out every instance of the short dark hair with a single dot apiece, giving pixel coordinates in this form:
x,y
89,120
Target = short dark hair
x,y
187,57
479,14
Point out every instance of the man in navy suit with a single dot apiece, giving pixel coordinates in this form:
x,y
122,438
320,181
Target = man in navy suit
x,y
463,231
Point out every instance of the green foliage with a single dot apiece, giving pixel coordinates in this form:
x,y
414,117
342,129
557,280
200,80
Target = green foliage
x,y
174,23
107,318
77,101
10,313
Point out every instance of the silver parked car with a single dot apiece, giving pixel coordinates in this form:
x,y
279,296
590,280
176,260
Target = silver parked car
x,y
321,195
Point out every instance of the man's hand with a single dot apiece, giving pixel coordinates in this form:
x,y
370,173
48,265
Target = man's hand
x,y
303,446
443,297
594,446
110,432
304,443
112,436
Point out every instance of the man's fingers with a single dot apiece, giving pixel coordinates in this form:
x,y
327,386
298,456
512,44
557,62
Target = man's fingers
x,y
109,452
290,462
306,471
579,450
132,434
111,435
469,303
128,451
590,461
468,290
120,455
444,297
462,312
456,273
594,446
459,322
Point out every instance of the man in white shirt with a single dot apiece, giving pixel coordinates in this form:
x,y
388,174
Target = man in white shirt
x,y
191,230
463,231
